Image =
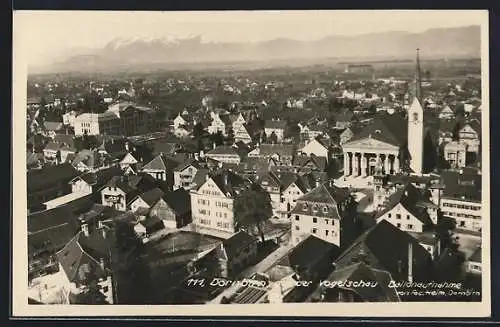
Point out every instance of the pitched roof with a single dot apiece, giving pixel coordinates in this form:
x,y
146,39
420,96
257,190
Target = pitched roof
x,y
77,263
361,271
65,138
391,129
412,199
229,182
54,146
152,196
385,246
160,162
275,124
326,193
53,126
179,201
271,149
301,161
50,175
311,251
464,184
236,243
101,177
223,150
187,163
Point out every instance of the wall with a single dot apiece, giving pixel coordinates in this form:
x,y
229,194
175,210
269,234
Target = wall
x,y
327,229
121,204
467,214
80,186
406,219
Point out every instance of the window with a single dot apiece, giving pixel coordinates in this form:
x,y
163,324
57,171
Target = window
x,y
462,223
297,228
398,225
326,221
407,217
326,233
315,208
315,220
297,218
304,207
409,226
314,230
398,216
389,215
415,116
325,209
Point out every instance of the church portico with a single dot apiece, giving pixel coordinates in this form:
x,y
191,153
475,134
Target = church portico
x,y
360,163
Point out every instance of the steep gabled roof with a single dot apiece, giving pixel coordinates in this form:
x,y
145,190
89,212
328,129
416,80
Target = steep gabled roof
x,y
229,182
179,201
310,251
160,162
236,243
49,175
152,196
385,246
326,193
411,199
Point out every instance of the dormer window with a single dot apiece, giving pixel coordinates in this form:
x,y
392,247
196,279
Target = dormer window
x,y
304,207
378,131
325,209
315,208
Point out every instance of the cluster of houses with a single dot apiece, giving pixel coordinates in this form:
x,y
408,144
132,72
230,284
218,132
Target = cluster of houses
x,y
75,197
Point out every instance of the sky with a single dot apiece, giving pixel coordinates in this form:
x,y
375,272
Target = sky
x,y
47,35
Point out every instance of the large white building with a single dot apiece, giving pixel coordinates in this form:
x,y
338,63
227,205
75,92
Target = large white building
x,y
94,124
212,203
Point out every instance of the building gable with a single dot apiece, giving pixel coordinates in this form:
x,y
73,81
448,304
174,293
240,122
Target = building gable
x,y
210,188
370,143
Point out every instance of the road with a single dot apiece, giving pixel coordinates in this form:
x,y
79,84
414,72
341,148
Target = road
x,y
262,266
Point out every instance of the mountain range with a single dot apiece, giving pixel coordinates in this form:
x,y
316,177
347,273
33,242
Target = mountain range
x,y
123,53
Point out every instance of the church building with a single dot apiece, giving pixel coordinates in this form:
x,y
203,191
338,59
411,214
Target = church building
x,y
392,143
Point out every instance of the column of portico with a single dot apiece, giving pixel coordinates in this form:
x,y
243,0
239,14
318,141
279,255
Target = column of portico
x,y
355,164
387,164
364,163
346,163
396,164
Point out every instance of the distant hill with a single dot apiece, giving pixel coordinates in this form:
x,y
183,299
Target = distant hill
x,y
461,42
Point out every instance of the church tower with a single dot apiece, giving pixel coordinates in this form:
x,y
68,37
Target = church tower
x,y
416,125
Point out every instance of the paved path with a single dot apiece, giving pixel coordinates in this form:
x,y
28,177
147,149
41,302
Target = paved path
x,y
262,266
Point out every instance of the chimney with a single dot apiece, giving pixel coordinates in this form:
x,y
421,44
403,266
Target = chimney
x,y
410,262
213,145
85,229
99,224
127,148
226,178
207,177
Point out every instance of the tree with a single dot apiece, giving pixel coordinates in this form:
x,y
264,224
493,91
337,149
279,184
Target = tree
x,y
230,136
92,293
131,272
217,138
198,130
273,138
252,208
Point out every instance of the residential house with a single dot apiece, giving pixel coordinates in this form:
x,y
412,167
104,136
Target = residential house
x,y
92,182
470,134
52,153
161,168
69,118
446,131
48,183
455,153
388,248
358,282
312,130
173,209
447,113
307,164
246,133
88,253
409,209
33,161
327,212
316,147
119,191
185,173
293,186
310,260
212,203
281,154
90,160
461,198
128,161
52,128
146,200
144,228
270,182
343,120
237,121
220,123
275,127
224,153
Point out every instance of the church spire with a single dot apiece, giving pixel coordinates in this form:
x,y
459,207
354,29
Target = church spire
x,y
418,82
